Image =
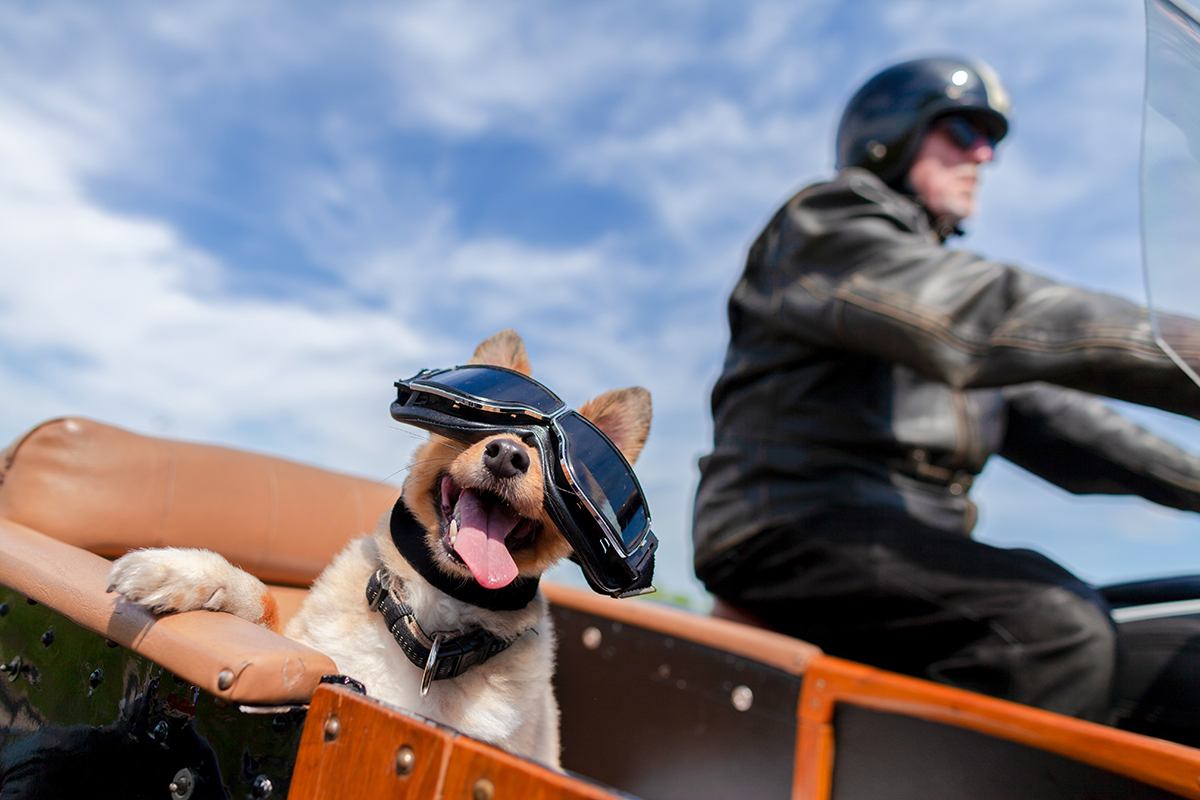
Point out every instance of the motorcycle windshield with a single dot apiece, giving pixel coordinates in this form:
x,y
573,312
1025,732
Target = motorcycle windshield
x,y
1170,179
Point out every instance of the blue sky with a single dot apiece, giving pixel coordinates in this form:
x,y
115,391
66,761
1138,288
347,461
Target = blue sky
x,y
239,223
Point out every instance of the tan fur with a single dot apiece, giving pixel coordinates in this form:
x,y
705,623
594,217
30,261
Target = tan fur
x,y
624,416
508,700
504,349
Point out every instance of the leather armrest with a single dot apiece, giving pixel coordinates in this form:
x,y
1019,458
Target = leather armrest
x,y
222,654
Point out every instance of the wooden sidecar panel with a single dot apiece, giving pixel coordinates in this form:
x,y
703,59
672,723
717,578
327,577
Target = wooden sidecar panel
x,y
863,730
882,754
666,705
353,741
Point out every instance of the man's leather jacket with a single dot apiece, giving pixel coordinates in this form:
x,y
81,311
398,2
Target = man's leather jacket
x,y
871,366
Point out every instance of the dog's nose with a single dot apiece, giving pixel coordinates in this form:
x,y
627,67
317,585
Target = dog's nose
x,y
504,458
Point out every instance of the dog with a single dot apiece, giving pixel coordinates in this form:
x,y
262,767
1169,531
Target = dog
x,y
472,524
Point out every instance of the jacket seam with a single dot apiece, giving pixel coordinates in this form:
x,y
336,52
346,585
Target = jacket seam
x,y
1097,337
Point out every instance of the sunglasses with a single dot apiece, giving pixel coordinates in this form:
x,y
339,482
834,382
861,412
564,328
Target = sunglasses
x,y
592,493
964,133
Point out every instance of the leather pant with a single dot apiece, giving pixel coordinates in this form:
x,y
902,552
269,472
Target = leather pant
x,y
877,587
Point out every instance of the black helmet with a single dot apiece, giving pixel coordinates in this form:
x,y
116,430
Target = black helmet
x,y
884,122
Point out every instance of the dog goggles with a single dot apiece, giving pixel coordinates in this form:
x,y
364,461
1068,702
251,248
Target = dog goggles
x,y
592,493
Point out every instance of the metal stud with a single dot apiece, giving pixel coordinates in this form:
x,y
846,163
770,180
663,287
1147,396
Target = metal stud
x,y
484,790
224,680
333,727
406,761
48,638
182,784
742,698
591,638
96,678
14,668
262,787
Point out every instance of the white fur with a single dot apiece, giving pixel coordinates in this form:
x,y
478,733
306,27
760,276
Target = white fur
x,y
507,701
177,579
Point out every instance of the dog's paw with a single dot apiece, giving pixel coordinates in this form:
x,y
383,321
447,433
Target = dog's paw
x,y
173,579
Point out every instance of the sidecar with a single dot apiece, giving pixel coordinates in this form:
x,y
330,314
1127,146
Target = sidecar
x,y
101,699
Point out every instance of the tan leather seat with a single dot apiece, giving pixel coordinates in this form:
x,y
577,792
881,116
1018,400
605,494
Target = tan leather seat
x,y
73,490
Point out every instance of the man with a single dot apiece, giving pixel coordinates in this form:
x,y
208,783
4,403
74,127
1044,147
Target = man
x,y
870,374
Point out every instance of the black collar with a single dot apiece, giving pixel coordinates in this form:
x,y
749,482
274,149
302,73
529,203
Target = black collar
x,y
409,538
440,656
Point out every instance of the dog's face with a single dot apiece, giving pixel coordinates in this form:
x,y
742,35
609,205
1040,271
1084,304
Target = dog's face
x,y
482,505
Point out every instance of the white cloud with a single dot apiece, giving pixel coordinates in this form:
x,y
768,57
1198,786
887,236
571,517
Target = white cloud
x,y
115,316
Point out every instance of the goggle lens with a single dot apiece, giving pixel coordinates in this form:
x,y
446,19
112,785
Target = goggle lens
x,y
501,386
600,471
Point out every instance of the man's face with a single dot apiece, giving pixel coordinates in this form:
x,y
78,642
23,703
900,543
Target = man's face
x,y
945,173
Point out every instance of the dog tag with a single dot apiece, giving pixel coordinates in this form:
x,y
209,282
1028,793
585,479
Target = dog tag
x,y
430,665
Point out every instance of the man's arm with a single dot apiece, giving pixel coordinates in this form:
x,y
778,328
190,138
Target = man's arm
x,y
1079,444
845,266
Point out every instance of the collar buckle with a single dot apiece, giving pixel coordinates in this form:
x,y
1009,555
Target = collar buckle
x,y
430,664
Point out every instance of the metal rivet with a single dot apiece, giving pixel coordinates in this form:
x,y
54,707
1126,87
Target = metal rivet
x,y
262,787
664,671
182,785
406,760
47,638
3,609
591,638
877,150
742,698
820,683
333,726
224,680
484,790
14,668
96,678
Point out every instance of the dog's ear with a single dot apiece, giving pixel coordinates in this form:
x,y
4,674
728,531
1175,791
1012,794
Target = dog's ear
x,y
624,416
505,349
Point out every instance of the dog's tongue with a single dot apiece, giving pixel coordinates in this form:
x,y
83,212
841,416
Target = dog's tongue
x,y
480,541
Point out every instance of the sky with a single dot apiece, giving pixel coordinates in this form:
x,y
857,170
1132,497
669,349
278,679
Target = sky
x,y
239,223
